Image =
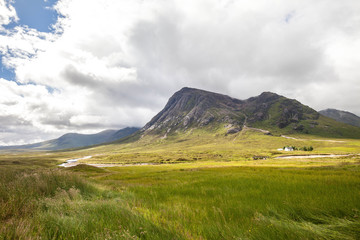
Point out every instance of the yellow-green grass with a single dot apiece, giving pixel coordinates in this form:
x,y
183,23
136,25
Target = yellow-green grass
x,y
200,146
214,191
182,201
245,202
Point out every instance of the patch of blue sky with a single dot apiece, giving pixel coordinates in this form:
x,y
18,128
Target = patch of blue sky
x,y
37,14
9,26
9,75
6,73
51,90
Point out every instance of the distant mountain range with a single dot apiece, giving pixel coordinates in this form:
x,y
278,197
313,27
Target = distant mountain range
x,y
76,140
190,109
341,116
194,109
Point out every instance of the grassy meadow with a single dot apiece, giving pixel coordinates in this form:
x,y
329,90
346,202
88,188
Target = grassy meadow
x,y
204,187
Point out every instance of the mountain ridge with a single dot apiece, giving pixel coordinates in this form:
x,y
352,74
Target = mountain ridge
x,y
76,140
191,108
341,116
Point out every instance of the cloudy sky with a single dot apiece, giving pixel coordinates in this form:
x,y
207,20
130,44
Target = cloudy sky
x,y
88,65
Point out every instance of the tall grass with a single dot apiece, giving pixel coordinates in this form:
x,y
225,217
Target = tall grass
x,y
21,192
181,201
53,204
247,203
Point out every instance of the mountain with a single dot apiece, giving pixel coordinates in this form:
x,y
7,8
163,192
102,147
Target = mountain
x,y
75,140
194,108
190,109
341,116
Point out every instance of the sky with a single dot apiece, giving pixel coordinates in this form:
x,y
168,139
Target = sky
x,y
88,65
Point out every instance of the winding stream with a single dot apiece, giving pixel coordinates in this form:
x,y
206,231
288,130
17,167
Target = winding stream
x,y
73,162
316,156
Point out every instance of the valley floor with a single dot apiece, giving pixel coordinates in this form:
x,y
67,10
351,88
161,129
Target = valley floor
x,y
205,192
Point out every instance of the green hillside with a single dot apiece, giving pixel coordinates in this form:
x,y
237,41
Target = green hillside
x,y
310,122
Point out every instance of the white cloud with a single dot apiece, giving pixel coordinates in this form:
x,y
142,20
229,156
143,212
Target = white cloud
x,y
115,63
7,13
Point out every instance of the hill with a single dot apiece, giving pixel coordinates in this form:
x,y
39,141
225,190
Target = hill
x,y
194,108
190,109
75,140
341,116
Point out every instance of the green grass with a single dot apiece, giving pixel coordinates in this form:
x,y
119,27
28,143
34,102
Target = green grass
x,y
21,193
238,202
182,201
199,145
54,204
208,187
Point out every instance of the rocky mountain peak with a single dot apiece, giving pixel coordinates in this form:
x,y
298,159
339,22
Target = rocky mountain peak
x,y
191,108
